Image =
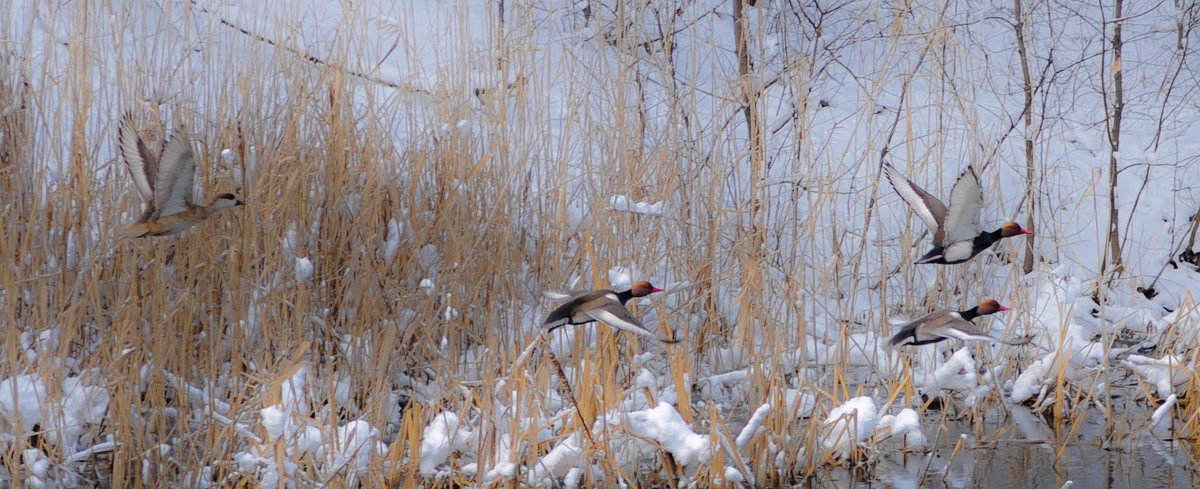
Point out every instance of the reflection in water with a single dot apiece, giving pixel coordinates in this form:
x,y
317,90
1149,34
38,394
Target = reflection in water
x,y
1024,451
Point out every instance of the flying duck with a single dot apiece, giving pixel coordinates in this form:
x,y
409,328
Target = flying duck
x,y
606,306
957,234
939,325
165,184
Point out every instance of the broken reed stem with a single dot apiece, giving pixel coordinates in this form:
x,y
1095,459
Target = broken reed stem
x,y
562,377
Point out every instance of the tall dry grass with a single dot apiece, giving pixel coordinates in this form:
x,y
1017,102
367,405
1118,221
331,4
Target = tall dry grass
x,y
190,331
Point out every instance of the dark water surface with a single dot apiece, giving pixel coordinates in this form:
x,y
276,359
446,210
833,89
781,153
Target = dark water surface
x,y
1022,450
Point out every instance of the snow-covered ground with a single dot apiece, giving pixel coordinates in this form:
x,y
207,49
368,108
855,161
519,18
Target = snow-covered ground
x,y
613,121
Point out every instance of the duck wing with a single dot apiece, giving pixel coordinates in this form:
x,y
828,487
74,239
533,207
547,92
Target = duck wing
x,y
964,330
560,296
173,190
958,328
925,329
615,315
141,163
1023,340
966,202
569,311
906,336
927,207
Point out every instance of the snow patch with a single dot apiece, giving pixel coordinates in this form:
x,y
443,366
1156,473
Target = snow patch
x,y
625,204
848,426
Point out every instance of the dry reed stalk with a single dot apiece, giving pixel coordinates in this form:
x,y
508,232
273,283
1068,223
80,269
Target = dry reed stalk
x,y
1189,426
217,305
585,423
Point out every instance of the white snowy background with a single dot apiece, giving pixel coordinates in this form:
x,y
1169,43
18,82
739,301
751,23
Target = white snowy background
x,y
588,108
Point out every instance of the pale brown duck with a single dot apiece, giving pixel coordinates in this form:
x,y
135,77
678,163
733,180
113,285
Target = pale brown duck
x,y
166,189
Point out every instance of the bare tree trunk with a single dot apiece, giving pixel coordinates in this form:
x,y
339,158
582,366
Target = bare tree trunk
x,y
1027,79
749,99
1114,109
752,243
743,56
1182,31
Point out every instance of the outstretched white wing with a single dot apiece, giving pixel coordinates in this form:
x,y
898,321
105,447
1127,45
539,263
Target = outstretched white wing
x,y
615,315
966,202
927,207
618,317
